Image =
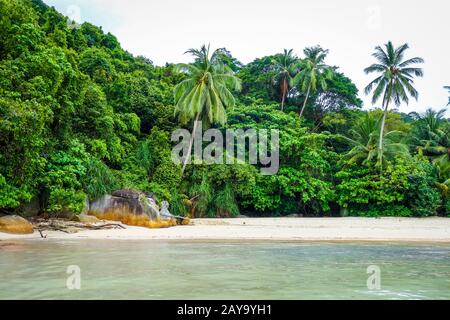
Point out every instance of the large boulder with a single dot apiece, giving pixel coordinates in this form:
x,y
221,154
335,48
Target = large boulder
x,y
132,208
15,224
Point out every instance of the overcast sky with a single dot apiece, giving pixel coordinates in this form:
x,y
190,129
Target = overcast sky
x,y
162,30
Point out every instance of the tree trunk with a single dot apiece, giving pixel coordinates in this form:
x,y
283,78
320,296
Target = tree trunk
x,y
304,103
381,139
284,90
191,142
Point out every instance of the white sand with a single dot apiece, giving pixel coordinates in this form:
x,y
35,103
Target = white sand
x,y
277,229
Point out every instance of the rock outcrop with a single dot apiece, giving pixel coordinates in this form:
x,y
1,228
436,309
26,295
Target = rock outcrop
x,y
132,208
15,224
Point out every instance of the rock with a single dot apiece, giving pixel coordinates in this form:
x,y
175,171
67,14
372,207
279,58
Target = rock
x,y
184,221
165,214
15,224
130,207
86,218
294,215
127,194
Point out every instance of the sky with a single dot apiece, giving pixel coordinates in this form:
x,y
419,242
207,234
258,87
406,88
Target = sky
x,y
162,30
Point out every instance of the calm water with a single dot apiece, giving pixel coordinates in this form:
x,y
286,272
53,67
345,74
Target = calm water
x,y
113,269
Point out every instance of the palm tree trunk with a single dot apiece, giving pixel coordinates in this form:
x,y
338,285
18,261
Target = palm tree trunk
x,y
191,142
306,99
284,90
381,140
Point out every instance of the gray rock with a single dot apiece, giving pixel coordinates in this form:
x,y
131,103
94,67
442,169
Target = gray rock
x,y
164,212
126,202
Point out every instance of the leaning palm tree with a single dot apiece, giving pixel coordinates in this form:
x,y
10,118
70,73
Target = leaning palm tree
x,y
206,92
395,81
286,65
314,73
364,137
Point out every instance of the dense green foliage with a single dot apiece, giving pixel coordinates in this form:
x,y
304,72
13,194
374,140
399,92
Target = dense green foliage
x,y
81,117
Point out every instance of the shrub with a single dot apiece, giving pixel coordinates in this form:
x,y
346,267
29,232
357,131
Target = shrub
x,y
65,201
422,196
382,211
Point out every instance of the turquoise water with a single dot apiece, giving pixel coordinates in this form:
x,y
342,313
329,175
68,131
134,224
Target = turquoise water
x,y
112,269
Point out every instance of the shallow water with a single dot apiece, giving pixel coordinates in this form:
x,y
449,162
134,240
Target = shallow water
x,y
113,269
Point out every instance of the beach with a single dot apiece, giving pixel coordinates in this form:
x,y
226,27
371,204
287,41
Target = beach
x,y
433,229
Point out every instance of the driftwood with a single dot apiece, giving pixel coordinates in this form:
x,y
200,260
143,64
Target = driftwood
x,y
68,226
42,235
106,226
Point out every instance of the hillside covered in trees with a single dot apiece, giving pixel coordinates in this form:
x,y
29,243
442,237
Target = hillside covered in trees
x,y
81,117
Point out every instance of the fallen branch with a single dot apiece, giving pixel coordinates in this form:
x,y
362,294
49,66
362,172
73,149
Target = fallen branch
x,y
42,235
67,226
106,226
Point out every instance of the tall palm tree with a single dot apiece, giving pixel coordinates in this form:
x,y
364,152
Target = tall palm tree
x,y
364,138
395,81
286,65
206,92
314,72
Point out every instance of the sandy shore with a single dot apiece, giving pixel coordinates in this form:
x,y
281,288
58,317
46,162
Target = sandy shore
x,y
277,229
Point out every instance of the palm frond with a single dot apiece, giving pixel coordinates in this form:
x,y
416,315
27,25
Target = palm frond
x,y
206,91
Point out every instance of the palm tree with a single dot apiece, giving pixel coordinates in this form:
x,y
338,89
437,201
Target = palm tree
x,y
442,165
395,81
432,139
314,72
286,65
429,128
364,138
206,92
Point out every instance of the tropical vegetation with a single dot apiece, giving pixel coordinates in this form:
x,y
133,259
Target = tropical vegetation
x,y
81,117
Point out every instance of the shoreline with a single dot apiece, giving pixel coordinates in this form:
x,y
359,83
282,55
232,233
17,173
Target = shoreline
x,y
344,229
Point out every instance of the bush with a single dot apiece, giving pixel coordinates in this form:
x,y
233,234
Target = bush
x,y
62,186
382,211
447,207
65,201
404,184
422,196
98,180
